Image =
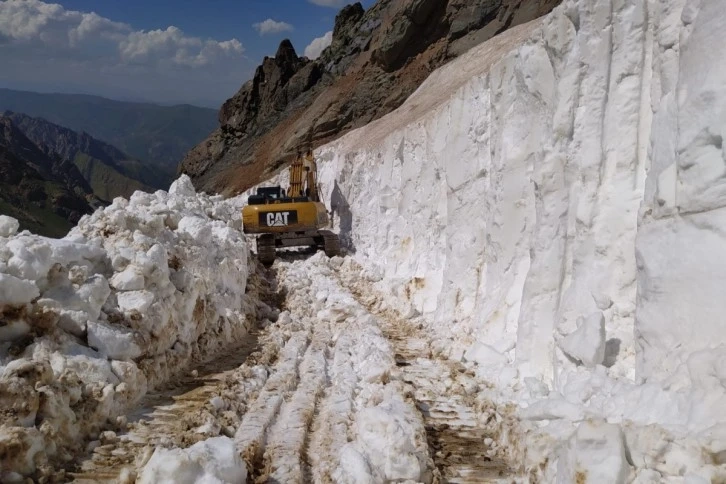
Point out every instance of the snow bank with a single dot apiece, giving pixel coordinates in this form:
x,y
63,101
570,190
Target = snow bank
x,y
552,202
92,321
211,460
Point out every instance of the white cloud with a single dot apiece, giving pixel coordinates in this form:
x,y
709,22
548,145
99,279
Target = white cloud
x,y
329,3
172,46
35,35
270,26
318,45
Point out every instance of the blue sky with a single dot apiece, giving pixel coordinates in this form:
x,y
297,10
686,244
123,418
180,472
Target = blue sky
x,y
223,19
165,51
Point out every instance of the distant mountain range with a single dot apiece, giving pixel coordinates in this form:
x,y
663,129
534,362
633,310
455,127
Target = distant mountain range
x,y
155,135
44,191
109,172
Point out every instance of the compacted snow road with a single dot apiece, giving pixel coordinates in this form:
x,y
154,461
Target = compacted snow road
x,y
462,430
333,387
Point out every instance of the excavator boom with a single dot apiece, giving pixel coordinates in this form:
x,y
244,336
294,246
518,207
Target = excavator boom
x,y
296,178
303,177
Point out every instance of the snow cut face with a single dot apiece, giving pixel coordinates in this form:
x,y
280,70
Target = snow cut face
x,y
125,300
553,201
501,201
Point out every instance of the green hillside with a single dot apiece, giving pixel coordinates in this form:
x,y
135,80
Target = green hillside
x,y
161,135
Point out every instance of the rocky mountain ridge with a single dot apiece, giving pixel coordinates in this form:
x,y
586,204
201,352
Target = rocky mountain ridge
x,y
376,60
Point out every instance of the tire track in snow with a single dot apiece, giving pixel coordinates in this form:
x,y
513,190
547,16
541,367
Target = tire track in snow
x,y
344,379
462,431
275,435
167,415
251,436
286,448
178,413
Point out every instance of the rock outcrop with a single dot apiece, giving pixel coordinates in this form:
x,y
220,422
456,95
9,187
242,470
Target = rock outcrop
x,y
376,60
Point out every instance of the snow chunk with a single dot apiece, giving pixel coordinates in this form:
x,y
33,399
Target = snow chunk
x,y
182,187
210,461
15,291
29,443
113,342
130,279
135,301
94,293
73,322
8,226
14,330
197,228
385,437
31,257
587,342
596,453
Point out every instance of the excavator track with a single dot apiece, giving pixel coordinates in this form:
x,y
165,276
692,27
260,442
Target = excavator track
x,y
331,243
266,249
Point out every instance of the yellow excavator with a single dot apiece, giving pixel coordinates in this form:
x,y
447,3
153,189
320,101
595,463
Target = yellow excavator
x,y
291,218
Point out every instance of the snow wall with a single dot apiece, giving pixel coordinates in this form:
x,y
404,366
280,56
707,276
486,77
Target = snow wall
x,y
551,203
129,298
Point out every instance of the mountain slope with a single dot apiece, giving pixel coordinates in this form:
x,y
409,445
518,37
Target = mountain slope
x,y
110,172
160,135
46,193
377,59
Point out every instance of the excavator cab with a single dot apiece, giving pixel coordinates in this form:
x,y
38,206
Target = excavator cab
x,y
266,194
291,218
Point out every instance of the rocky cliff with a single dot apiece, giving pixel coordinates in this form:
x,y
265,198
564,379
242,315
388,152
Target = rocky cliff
x,y
376,60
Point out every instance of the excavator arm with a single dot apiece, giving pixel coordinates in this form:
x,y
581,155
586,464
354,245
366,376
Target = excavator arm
x,y
296,178
304,177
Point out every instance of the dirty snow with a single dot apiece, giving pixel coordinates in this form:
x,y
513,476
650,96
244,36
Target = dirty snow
x,y
320,401
91,322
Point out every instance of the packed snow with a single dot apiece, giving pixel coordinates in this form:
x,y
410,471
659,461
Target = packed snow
x,y
550,205
325,383
212,460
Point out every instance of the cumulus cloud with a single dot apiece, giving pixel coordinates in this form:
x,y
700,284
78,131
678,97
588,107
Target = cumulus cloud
x,y
270,26
172,46
35,35
318,45
329,3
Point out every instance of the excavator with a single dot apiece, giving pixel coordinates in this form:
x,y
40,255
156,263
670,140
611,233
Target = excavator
x,y
291,218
